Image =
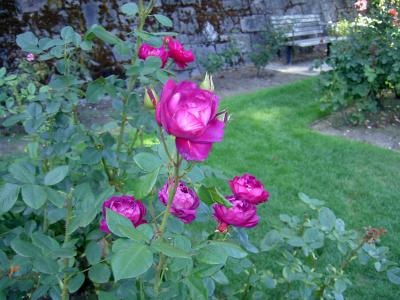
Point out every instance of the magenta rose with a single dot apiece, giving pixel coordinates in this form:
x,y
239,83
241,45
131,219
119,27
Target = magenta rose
x,y
190,114
248,188
241,214
146,50
179,54
184,204
126,206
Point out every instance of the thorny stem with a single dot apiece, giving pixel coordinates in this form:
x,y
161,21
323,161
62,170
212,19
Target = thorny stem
x,y
65,294
165,144
171,194
132,145
143,13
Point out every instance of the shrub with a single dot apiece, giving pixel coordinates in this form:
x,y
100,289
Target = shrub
x,y
365,66
266,50
86,211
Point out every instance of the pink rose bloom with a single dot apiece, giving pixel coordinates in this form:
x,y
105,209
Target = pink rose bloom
x,y
393,12
178,53
361,5
30,57
249,189
184,204
190,114
126,206
241,214
146,50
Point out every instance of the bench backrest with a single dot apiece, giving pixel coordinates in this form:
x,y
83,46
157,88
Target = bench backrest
x,y
295,26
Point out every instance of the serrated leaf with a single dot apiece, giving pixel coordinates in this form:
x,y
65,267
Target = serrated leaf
x,y
100,273
129,9
33,195
131,261
168,249
22,172
327,219
211,195
56,175
8,196
93,252
76,282
147,161
163,20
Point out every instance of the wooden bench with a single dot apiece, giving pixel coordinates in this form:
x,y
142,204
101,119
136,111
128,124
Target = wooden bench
x,y
301,31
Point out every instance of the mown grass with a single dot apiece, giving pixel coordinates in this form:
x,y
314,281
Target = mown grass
x,y
269,136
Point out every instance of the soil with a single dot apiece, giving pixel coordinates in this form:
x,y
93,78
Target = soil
x,y
387,136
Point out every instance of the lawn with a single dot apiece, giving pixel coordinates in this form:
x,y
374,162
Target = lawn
x,y
269,136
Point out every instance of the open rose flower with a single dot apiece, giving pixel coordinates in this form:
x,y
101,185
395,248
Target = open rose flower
x,y
126,206
184,204
248,188
393,12
241,214
361,5
190,114
179,54
146,50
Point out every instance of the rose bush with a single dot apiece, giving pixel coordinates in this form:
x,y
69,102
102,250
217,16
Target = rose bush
x,y
365,65
71,222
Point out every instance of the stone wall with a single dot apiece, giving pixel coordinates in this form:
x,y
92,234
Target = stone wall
x,y
209,26
204,26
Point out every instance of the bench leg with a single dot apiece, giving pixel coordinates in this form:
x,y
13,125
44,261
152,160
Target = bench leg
x,y
328,49
289,55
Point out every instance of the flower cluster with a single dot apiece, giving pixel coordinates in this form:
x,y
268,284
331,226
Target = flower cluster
x,y
174,50
248,192
394,14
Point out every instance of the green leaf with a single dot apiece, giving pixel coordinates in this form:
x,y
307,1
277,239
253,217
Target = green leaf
x,y
24,248
296,242
93,252
144,185
218,252
212,195
129,9
271,240
56,197
104,35
116,221
100,273
45,265
22,172
44,241
95,90
123,227
312,203
76,282
220,278
163,20
56,175
394,275
168,249
196,287
327,219
27,41
131,261
34,195
147,161
8,196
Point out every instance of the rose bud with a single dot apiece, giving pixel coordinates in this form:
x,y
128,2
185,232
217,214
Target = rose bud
x,y
126,206
184,204
178,53
190,114
167,39
241,214
30,57
207,83
150,99
248,188
146,50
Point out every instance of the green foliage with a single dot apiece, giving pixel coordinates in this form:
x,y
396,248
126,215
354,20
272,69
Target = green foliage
x,y
229,57
365,65
267,48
